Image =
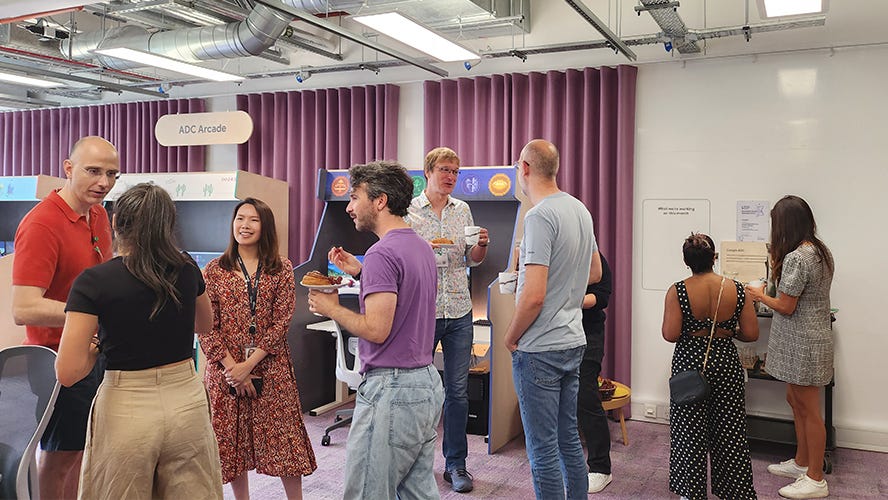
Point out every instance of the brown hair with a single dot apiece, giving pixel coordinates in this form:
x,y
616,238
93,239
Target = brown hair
x,y
144,218
792,223
269,257
439,154
698,250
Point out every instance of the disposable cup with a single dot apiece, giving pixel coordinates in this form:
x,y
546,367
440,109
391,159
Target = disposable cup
x,y
472,234
508,281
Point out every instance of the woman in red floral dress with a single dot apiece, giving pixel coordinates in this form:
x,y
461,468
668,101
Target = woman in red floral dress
x,y
253,395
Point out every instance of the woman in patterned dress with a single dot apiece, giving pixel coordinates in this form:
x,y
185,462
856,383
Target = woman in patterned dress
x,y
715,427
800,348
254,399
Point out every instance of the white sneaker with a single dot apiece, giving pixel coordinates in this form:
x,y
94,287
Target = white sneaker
x,y
805,487
597,481
787,468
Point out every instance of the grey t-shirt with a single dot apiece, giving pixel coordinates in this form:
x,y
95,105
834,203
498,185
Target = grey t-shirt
x,y
558,234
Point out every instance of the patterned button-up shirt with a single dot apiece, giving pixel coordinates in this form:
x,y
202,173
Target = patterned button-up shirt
x,y
453,280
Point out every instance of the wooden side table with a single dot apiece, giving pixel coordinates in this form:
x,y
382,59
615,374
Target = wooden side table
x,y
621,398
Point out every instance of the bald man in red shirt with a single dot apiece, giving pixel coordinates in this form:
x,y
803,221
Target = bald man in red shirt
x,y
61,236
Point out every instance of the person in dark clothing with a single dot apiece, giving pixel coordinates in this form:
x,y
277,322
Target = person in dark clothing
x,y
591,419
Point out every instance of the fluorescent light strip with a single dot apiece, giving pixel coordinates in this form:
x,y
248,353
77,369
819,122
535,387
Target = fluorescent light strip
x,y
168,63
27,80
406,31
780,8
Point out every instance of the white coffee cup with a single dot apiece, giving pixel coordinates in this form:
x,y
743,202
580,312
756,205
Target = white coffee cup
x,y
756,284
508,281
472,234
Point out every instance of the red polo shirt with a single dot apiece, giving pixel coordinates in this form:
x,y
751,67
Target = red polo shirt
x,y
54,244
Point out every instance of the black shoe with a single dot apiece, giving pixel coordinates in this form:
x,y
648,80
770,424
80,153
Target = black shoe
x,y
459,479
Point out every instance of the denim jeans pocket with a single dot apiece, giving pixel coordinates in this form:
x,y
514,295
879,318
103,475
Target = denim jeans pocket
x,y
411,419
543,373
368,391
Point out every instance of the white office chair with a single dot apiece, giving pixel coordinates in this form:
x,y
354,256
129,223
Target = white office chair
x,y
346,347
28,390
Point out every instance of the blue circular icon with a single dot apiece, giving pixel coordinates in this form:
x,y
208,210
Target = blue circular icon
x,y
470,184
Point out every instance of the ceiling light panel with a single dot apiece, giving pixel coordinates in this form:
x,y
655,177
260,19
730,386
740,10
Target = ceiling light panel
x,y
784,8
411,33
29,81
169,64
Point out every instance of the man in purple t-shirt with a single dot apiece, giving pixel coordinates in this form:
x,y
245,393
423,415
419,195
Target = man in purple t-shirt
x,y
391,443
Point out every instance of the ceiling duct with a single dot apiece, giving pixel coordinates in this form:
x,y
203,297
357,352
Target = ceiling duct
x,y
263,26
245,38
666,16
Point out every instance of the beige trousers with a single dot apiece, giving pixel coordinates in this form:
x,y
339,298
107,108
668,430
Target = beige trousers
x,y
150,436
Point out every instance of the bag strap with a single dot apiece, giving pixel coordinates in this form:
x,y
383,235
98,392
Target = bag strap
x,y
721,287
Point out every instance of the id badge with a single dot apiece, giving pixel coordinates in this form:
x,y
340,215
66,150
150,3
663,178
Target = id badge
x,y
441,257
248,350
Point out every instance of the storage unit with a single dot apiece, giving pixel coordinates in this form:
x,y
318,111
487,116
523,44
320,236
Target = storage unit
x,y
479,399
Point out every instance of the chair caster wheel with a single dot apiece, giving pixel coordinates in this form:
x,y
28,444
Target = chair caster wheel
x,y
325,441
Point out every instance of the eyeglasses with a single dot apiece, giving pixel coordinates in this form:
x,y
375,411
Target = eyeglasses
x,y
111,175
450,171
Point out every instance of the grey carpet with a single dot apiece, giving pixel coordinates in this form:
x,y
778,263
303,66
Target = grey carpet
x,y
641,469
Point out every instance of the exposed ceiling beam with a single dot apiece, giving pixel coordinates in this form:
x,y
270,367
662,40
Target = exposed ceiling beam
x,y
355,37
602,28
74,78
25,102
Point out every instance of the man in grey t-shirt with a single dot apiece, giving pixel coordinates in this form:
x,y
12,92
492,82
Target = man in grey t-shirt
x,y
546,333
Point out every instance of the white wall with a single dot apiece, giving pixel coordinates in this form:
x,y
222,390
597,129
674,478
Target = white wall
x,y
742,128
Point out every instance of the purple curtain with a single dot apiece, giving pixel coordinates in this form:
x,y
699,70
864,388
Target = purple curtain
x,y
296,133
38,141
589,115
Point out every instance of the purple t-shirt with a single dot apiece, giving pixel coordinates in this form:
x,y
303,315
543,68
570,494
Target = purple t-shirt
x,y
402,263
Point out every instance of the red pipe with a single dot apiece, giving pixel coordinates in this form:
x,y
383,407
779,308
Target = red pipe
x,y
72,62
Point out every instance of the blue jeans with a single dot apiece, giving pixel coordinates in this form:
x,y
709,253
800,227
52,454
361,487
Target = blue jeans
x,y
547,384
391,442
456,336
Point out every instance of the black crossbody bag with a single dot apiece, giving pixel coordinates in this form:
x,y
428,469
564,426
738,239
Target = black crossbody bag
x,y
691,386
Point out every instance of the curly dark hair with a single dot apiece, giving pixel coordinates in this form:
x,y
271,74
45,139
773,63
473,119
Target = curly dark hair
x,y
699,252
385,178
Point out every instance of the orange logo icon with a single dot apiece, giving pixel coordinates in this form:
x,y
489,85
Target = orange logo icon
x,y
339,186
499,184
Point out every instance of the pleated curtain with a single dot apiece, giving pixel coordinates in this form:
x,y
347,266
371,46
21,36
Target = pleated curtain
x,y
296,133
589,114
36,142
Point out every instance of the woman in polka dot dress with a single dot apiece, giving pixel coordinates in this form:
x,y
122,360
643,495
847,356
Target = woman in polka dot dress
x,y
715,427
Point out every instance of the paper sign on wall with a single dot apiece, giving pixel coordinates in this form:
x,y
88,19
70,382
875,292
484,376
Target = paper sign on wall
x,y
753,221
744,261
198,129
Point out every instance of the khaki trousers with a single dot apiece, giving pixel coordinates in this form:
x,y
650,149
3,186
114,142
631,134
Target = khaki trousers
x,y
150,436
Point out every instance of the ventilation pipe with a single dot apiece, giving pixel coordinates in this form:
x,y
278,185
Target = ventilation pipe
x,y
250,37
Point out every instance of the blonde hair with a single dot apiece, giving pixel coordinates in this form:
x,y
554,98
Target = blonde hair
x,y
439,154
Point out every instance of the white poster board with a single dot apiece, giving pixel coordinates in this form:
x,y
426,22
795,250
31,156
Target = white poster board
x,y
664,226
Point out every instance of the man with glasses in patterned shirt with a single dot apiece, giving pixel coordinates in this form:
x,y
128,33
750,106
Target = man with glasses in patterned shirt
x,y
61,236
436,214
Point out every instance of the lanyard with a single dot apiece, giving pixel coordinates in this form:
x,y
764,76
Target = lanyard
x,y
252,291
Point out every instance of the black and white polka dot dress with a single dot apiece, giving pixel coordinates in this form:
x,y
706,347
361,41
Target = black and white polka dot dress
x,y
716,427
